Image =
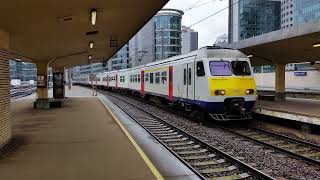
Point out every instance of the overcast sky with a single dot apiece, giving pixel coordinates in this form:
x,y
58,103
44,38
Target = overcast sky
x,y
209,29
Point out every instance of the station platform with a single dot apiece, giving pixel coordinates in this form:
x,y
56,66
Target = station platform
x,y
87,138
301,110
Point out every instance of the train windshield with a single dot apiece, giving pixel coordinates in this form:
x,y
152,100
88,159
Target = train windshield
x,y
220,68
225,68
241,68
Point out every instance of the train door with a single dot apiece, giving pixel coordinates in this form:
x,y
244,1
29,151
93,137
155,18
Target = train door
x,y
188,80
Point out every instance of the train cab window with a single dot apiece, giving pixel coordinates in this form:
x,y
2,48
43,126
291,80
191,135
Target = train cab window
x,y
151,78
157,78
220,68
164,77
146,77
241,68
200,69
138,78
135,78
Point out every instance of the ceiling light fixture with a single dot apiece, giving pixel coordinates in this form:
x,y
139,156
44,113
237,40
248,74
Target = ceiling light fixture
x,y
250,56
93,16
90,57
91,44
316,45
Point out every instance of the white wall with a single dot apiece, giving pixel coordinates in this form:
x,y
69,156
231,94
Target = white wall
x,y
309,82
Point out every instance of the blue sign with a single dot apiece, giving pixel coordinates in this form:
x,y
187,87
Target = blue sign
x,y
300,73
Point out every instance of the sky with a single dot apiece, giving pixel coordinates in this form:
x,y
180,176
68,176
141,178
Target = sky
x,y
209,29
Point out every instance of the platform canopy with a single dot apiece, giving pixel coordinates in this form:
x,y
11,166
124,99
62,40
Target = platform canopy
x,y
291,45
60,32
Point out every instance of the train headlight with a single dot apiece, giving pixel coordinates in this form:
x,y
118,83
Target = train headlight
x,y
249,91
219,92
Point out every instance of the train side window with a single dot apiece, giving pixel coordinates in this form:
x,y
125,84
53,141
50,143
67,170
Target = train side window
x,y
189,76
184,76
164,77
157,78
146,77
138,78
151,78
200,69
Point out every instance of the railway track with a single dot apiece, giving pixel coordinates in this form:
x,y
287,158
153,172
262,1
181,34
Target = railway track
x,y
205,160
294,147
22,91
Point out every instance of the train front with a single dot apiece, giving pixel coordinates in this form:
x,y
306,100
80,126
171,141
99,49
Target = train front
x,y
232,89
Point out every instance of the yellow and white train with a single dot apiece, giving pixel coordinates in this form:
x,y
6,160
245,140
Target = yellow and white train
x,y
211,80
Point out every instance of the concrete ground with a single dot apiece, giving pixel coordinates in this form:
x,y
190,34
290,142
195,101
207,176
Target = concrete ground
x,y
293,105
79,141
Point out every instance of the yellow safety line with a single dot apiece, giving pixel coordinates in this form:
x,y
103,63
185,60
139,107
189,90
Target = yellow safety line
x,y
151,166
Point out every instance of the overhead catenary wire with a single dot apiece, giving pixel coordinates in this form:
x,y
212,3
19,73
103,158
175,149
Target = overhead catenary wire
x,y
215,13
192,7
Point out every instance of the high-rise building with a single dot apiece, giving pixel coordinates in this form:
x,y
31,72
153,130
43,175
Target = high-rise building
x,y
167,23
307,10
298,11
142,45
160,38
288,9
120,60
248,18
189,39
22,70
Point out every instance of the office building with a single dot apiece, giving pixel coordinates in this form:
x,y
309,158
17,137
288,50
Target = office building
x,y
189,40
167,23
298,11
249,18
120,60
23,71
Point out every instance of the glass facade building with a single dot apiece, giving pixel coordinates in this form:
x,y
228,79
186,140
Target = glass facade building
x,y
22,70
167,24
257,17
121,59
307,10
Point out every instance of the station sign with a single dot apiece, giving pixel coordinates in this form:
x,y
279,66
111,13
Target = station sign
x,y
92,77
304,73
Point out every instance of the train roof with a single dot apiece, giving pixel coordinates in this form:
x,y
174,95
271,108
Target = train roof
x,y
205,52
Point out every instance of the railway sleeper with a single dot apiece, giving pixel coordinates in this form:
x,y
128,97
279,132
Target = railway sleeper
x,y
208,163
232,177
218,170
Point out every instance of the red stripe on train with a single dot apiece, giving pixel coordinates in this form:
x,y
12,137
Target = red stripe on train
x,y
170,83
142,83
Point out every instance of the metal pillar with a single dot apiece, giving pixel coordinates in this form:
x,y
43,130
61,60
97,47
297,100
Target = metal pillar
x,y
5,114
280,85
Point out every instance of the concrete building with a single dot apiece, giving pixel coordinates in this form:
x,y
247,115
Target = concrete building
x,y
248,18
288,11
142,45
189,39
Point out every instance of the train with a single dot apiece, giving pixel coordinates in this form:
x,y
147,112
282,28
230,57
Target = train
x,y
210,82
